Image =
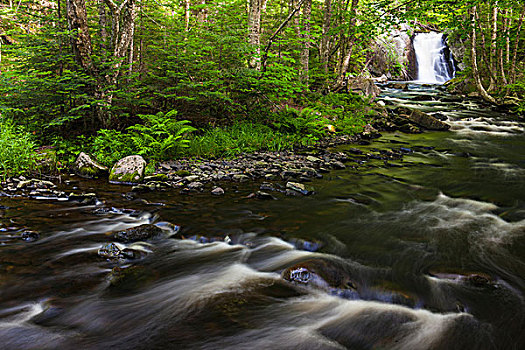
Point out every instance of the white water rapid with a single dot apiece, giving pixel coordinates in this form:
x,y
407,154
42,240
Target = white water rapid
x,y
433,65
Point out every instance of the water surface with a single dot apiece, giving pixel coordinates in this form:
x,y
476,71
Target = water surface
x,y
427,232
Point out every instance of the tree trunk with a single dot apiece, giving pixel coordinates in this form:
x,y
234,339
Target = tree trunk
x,y
102,22
324,51
473,57
305,53
507,36
80,39
502,75
516,46
123,28
264,58
254,36
493,49
186,15
345,63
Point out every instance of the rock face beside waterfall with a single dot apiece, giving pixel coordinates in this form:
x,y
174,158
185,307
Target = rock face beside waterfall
x,y
394,56
458,48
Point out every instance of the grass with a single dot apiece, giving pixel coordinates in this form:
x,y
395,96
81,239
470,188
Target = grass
x,y
17,150
238,138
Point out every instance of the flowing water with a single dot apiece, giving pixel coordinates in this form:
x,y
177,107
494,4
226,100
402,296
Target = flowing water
x,y
434,62
420,245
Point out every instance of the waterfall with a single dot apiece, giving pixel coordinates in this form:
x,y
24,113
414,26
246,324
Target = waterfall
x,y
434,61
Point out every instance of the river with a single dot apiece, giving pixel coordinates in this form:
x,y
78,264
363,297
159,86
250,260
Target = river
x,y
418,244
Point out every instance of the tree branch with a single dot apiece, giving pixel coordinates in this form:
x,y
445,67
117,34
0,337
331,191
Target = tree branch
x,y
277,31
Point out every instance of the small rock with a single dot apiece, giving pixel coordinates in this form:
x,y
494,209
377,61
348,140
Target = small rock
x,y
191,178
299,187
217,191
240,178
337,165
111,250
313,159
29,236
115,251
85,198
264,195
156,177
195,185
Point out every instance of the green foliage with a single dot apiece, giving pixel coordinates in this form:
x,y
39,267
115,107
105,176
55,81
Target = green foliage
x,y
111,145
17,149
238,138
67,150
307,125
349,113
518,90
161,136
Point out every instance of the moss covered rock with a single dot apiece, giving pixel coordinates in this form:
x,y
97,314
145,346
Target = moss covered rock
x,y
85,166
128,170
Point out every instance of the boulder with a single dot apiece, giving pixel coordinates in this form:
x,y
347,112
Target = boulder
x,y
422,119
363,86
86,167
139,233
128,170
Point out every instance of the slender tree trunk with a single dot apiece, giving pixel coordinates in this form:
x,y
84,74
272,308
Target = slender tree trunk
x,y
264,58
484,50
324,51
202,16
254,36
123,28
102,22
186,15
473,57
503,78
516,46
507,36
493,48
305,54
345,63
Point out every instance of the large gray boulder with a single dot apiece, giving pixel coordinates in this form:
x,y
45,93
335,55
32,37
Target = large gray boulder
x,y
85,166
363,86
422,119
128,170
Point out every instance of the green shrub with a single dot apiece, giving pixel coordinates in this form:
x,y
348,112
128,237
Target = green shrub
x,y
238,138
17,149
161,136
349,113
307,125
111,145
